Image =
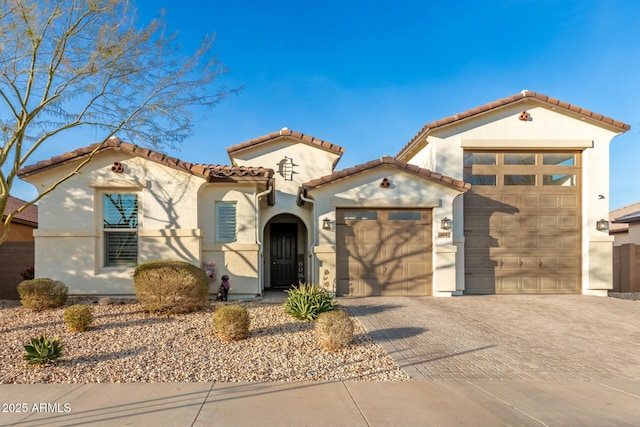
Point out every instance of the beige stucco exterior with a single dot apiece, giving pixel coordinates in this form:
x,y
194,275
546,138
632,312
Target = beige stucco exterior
x,y
177,201
406,191
547,129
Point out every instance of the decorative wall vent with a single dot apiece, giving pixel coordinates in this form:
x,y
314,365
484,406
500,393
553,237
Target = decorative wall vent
x,y
385,183
524,116
117,167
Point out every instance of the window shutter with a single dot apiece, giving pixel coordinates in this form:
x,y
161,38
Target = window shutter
x,y
226,222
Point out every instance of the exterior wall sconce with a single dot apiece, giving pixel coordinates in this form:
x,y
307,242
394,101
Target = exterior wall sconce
x,y
602,225
326,224
286,168
445,223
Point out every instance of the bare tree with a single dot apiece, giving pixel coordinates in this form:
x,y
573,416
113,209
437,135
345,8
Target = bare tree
x,y
86,64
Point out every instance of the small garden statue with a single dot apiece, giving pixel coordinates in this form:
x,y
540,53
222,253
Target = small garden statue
x,y
223,291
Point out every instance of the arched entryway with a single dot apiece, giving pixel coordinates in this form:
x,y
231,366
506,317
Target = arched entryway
x,y
285,238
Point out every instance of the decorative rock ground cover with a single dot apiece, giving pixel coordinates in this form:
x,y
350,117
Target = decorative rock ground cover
x,y
126,344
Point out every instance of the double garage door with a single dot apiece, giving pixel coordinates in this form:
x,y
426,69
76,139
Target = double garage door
x,y
384,252
522,222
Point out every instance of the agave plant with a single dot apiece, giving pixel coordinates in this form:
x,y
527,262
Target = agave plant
x,y
307,301
43,350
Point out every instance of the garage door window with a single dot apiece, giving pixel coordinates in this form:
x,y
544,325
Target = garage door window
x,y
361,215
405,216
519,180
560,159
519,159
565,180
475,177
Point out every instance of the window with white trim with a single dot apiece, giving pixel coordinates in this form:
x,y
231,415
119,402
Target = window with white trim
x,y
120,229
226,222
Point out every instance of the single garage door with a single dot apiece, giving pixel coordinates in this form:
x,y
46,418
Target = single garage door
x,y
383,252
522,222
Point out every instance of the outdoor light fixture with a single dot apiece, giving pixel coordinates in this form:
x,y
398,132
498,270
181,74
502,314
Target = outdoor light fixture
x,y
602,225
445,223
286,168
326,224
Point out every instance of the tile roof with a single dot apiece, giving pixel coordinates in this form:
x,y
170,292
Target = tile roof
x,y
209,172
287,132
525,94
621,227
626,219
336,176
28,216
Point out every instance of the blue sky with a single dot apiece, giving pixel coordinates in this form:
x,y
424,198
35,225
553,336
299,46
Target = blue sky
x,y
367,75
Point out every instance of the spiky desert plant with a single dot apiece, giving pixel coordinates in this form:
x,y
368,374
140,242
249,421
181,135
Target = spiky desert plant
x,y
334,329
43,351
78,317
231,322
42,293
307,301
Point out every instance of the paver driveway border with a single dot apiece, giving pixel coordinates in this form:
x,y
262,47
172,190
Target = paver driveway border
x,y
506,337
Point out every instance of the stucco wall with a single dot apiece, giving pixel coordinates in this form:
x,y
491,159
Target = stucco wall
x,y
551,130
309,161
407,190
69,240
239,260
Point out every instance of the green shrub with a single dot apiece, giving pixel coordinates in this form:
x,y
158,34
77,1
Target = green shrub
x,y
43,351
334,329
171,286
307,301
78,317
231,322
43,293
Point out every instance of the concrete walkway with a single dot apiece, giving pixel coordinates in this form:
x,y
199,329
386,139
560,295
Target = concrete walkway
x,y
416,403
475,361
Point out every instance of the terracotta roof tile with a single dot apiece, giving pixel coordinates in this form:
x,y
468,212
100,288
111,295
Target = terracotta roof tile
x,y
210,172
28,216
418,138
284,133
336,176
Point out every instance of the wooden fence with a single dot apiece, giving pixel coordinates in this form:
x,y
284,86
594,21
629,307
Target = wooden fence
x,y
626,268
15,257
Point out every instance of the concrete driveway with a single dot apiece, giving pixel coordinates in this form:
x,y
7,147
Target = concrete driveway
x,y
520,337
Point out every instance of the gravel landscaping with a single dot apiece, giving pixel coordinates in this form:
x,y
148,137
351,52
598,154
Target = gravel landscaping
x,y
126,344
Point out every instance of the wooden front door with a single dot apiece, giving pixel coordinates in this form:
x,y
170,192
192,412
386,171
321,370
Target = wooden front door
x,y
283,255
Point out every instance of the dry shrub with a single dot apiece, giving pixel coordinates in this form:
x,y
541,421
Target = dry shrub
x,y
43,293
171,287
231,323
78,317
334,329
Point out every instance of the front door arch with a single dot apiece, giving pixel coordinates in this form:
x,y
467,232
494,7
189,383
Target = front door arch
x,y
286,252
283,254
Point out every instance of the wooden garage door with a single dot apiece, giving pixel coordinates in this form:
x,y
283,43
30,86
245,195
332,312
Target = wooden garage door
x,y
522,222
383,252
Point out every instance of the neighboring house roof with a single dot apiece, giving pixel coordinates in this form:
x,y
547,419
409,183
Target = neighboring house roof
x,y
425,173
209,172
418,140
616,227
284,132
626,219
29,216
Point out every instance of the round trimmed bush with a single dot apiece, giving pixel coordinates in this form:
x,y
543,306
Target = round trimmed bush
x,y
78,317
231,322
171,286
334,329
42,293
